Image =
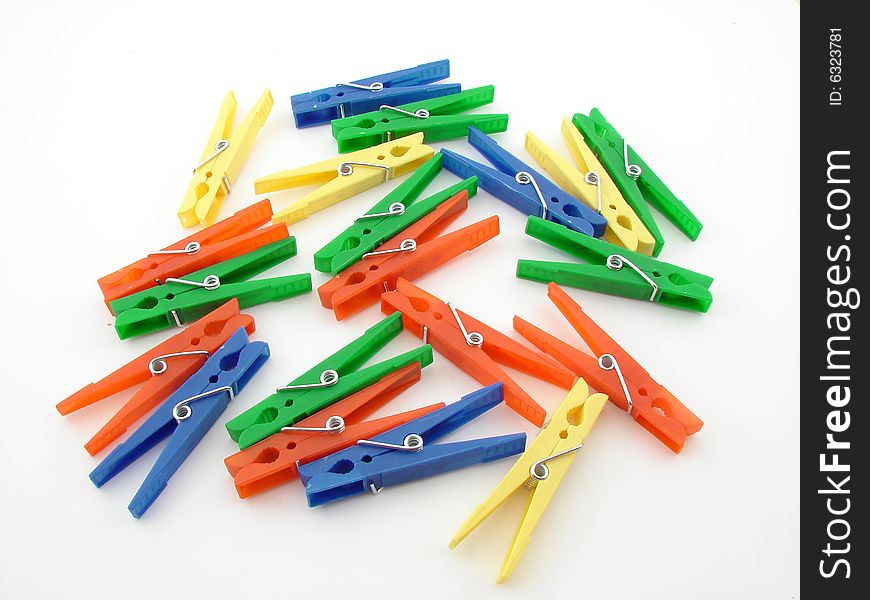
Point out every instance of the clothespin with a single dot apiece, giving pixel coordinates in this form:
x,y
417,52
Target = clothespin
x,y
474,347
540,470
325,383
276,459
437,118
225,239
614,270
225,152
516,183
160,370
345,175
409,254
593,185
185,417
398,210
364,95
177,301
407,453
614,372
638,183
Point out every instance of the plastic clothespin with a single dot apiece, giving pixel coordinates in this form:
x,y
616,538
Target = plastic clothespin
x,y
615,373
540,470
407,453
160,370
275,460
345,175
516,183
614,270
593,185
409,254
437,118
185,417
398,210
178,301
638,183
225,152
325,383
364,95
474,347
225,239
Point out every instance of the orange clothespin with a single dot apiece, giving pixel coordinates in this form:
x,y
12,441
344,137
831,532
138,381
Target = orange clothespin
x,y
276,459
232,237
614,372
412,252
474,347
161,370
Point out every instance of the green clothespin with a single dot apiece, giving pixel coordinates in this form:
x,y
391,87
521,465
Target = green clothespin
x,y
326,383
388,217
614,270
637,182
438,118
182,300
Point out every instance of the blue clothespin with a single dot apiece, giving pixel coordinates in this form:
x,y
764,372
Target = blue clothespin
x,y
369,94
516,183
185,417
406,453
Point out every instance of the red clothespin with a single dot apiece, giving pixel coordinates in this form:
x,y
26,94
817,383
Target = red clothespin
x,y
161,370
411,253
234,236
615,373
275,460
474,347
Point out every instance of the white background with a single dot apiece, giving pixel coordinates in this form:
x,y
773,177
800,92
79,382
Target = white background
x,y
104,110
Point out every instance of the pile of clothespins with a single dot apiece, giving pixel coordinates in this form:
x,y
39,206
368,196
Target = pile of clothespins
x,y
315,426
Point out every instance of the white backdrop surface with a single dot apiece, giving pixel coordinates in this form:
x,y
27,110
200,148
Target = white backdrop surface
x,y
104,109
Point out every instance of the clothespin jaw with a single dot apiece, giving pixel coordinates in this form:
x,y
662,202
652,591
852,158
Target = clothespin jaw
x,y
185,417
540,469
235,235
346,175
516,183
364,95
398,210
409,453
650,404
292,403
594,187
438,119
185,299
225,152
614,270
275,460
362,284
636,181
434,320
160,370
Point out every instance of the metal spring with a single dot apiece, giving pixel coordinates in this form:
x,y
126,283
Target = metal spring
x,y
219,147
615,262
375,86
592,178
157,365
211,282
408,245
608,363
539,470
524,178
473,338
631,170
328,378
346,168
420,113
395,209
412,443
334,425
182,411
191,248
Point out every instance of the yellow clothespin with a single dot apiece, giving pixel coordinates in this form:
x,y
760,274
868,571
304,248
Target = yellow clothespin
x,y
540,469
594,187
225,153
345,175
